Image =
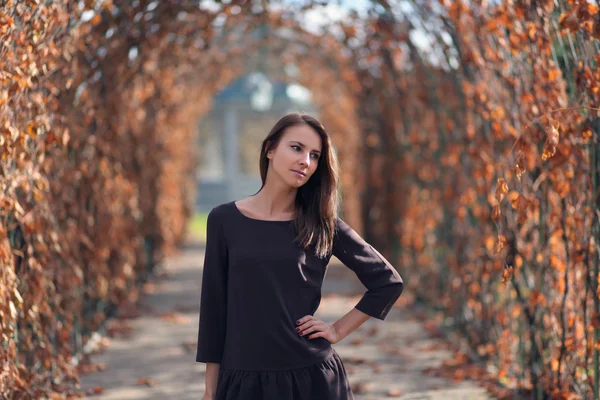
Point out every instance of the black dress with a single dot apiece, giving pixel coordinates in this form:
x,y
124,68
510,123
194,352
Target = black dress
x,y
256,284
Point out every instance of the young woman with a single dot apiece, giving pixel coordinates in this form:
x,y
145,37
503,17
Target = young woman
x,y
266,257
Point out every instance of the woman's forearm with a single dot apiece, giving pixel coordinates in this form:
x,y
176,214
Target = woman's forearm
x,y
212,376
350,322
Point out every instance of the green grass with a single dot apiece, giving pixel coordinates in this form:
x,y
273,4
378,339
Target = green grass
x,y
197,226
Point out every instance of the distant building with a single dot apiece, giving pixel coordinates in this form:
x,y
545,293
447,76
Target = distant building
x,y
231,134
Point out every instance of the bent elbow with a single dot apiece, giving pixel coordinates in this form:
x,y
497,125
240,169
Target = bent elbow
x,y
398,289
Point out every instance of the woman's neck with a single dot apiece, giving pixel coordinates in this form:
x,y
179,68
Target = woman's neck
x,y
272,202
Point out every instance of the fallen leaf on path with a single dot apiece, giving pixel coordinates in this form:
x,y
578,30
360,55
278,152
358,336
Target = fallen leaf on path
x,y
435,346
362,387
95,390
118,328
87,367
373,331
171,351
190,347
355,360
146,381
174,318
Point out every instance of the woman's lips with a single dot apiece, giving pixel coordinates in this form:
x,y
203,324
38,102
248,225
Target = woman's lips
x,y
299,173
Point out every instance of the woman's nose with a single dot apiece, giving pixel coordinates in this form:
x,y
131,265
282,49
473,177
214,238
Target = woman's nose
x,y
305,160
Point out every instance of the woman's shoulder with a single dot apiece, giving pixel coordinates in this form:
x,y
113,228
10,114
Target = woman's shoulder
x,y
221,211
339,223
344,230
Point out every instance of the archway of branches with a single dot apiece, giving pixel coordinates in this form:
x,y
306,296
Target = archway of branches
x,y
442,111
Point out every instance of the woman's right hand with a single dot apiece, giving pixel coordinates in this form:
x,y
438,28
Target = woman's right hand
x,y
208,396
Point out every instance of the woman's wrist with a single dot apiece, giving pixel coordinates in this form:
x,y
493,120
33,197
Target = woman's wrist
x,y
337,333
349,322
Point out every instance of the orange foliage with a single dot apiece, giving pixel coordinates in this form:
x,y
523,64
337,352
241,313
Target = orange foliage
x,y
98,114
98,110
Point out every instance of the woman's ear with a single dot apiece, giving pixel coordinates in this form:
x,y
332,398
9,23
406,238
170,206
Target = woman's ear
x,y
269,151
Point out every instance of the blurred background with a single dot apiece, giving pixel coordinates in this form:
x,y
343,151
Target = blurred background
x,y
467,133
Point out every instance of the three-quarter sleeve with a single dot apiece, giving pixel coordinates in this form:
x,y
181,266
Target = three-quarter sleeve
x,y
384,284
213,298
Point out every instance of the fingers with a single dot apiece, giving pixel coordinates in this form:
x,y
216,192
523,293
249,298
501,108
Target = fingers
x,y
304,319
305,322
311,328
317,334
306,327
310,325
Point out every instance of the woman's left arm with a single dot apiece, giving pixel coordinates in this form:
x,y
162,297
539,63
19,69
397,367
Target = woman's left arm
x,y
384,286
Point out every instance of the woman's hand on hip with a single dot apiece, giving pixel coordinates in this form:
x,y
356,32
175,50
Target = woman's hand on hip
x,y
314,327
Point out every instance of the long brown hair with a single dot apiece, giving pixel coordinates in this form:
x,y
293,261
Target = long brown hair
x,y
317,201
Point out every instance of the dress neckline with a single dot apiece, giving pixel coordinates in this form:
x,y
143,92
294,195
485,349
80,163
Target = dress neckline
x,y
285,221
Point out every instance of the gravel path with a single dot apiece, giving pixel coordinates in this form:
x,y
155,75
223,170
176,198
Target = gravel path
x,y
151,356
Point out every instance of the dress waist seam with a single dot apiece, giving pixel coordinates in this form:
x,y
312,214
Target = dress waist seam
x,y
326,355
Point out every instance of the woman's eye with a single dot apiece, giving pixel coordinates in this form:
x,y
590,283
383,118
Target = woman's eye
x,y
297,148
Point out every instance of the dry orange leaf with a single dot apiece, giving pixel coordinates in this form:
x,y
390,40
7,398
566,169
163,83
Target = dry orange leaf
x,y
146,381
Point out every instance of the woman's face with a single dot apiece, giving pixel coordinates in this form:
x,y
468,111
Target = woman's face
x,y
296,156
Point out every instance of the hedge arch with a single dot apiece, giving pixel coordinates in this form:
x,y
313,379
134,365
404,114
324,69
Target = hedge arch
x,y
113,168
98,103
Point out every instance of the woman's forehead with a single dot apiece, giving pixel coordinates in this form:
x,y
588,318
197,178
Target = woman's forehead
x,y
305,135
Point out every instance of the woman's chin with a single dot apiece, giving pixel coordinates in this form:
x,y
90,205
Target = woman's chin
x,y
297,183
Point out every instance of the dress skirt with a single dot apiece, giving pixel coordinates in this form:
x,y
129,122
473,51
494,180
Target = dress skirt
x,y
325,380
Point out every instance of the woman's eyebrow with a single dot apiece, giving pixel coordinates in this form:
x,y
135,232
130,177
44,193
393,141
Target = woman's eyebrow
x,y
302,145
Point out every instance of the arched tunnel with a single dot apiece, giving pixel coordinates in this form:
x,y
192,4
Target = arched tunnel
x,y
466,133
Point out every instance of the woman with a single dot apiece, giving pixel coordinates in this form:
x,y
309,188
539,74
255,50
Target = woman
x,y
266,257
